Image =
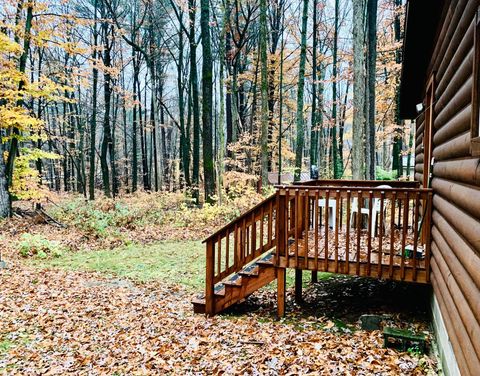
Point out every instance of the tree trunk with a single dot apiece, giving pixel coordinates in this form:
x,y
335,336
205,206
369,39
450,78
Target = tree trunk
x,y
4,196
314,119
195,103
371,74
93,118
136,68
398,135
264,93
107,141
322,144
208,168
337,161
358,150
143,143
12,154
301,84
153,104
184,136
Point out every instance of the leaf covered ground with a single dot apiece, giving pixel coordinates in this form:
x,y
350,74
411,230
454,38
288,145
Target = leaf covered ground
x,y
91,308
56,321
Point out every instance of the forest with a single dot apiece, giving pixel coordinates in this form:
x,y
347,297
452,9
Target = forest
x,y
110,97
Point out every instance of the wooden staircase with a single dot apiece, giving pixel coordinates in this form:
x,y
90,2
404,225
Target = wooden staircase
x,y
240,258
240,285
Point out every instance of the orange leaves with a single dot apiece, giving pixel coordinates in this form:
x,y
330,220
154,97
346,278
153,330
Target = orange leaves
x,y
58,322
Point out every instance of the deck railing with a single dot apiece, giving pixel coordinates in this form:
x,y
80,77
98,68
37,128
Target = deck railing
x,y
357,183
241,241
370,231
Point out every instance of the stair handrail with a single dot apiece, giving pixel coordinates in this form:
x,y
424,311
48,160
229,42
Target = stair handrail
x,y
239,218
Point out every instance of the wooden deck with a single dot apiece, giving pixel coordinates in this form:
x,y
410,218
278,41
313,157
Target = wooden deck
x,y
386,264
372,230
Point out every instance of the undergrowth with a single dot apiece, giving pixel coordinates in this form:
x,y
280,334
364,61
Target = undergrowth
x,y
106,217
140,218
38,246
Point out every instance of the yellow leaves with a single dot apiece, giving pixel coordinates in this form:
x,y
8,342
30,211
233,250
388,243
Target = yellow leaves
x,y
26,184
7,46
72,48
19,118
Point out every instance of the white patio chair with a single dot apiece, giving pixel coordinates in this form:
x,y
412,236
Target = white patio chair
x,y
332,211
366,211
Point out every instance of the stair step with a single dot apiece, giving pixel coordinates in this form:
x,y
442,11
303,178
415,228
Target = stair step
x,y
266,260
218,291
250,271
234,281
240,285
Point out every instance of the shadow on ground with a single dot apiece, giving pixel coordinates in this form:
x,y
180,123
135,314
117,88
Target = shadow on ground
x,y
346,298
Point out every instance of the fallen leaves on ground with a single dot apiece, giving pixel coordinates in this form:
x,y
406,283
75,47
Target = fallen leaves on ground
x,y
57,321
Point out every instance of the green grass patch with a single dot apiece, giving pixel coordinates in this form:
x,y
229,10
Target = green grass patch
x,y
171,262
177,262
5,345
307,277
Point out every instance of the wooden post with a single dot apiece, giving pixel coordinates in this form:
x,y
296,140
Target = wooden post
x,y
281,284
298,285
300,223
428,229
281,226
209,280
314,276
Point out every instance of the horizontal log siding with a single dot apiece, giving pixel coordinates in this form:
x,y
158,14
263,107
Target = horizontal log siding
x,y
456,183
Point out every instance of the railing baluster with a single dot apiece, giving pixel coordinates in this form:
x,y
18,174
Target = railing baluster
x,y
341,214
337,219
428,227
415,234
253,236
236,248
244,239
347,230
227,249
359,229
262,240
404,234
247,241
281,226
392,234
327,225
306,217
315,228
219,250
380,234
297,225
287,221
270,223
369,232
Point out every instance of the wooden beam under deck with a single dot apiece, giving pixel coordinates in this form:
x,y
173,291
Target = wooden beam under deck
x,y
350,268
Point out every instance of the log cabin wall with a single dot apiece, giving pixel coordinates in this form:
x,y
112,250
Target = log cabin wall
x,y
456,182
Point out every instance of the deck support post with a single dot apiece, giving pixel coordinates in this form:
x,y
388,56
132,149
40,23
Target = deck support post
x,y
314,276
281,291
209,281
298,285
